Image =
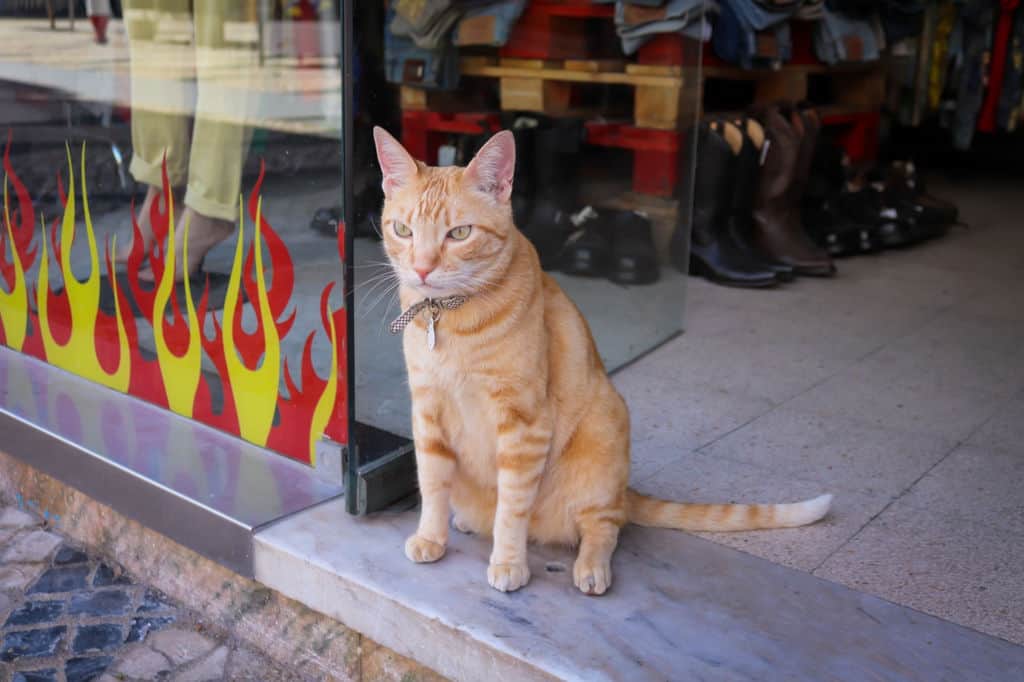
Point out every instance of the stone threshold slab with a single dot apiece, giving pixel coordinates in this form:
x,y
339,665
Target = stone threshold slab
x,y
681,608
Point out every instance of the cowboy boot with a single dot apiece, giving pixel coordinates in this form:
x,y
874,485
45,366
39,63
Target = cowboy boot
x,y
707,248
741,215
778,231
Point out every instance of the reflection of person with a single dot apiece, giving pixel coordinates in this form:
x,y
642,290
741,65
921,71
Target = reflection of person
x,y
99,15
208,166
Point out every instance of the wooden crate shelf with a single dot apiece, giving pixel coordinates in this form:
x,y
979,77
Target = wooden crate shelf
x,y
545,86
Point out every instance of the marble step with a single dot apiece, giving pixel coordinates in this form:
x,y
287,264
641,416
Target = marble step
x,y
681,608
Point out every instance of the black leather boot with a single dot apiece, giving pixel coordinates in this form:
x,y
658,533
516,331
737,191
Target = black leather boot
x,y
555,165
741,214
707,247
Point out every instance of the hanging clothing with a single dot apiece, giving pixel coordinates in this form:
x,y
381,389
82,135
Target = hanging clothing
x,y
1011,99
977,23
1000,49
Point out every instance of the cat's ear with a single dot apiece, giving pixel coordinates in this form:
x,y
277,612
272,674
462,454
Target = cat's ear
x,y
396,165
492,168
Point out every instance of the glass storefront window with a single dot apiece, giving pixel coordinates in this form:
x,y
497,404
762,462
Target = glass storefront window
x,y
599,119
193,147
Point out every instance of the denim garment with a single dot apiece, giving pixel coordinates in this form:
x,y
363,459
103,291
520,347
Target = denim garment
x,y
430,29
676,16
504,15
738,41
758,17
977,21
408,64
840,38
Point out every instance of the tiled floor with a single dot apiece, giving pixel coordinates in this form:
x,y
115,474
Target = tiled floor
x,y
898,386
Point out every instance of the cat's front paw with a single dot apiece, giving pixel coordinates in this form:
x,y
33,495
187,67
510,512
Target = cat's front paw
x,y
592,577
423,551
508,577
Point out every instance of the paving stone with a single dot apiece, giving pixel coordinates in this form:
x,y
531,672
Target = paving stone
x,y
86,669
143,626
181,646
141,663
44,675
31,643
154,601
15,518
35,612
7,535
18,577
92,638
246,665
62,579
105,603
211,668
31,547
106,576
69,555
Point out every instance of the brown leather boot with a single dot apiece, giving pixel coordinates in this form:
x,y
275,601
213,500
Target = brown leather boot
x,y
778,229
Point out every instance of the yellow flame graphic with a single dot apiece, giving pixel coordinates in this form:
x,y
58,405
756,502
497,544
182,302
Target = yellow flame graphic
x,y
180,373
254,390
79,355
14,304
324,405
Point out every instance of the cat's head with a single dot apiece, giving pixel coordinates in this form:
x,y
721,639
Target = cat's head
x,y
448,230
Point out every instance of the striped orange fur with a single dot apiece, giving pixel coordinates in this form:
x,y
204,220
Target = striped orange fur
x,y
517,428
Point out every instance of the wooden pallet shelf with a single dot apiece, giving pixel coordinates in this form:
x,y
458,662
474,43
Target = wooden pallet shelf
x,y
549,71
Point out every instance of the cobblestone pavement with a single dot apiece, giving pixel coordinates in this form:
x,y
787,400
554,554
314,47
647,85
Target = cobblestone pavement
x,y
70,617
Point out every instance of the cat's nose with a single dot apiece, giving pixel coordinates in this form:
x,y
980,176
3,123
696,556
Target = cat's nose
x,y
423,273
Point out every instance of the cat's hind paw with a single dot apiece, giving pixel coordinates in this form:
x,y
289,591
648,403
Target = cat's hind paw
x,y
508,577
423,551
592,577
461,526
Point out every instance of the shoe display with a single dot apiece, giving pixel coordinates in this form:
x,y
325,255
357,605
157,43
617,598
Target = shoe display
x,y
904,190
633,258
778,226
707,248
831,213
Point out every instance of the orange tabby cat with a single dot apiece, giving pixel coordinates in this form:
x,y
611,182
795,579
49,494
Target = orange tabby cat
x,y
516,425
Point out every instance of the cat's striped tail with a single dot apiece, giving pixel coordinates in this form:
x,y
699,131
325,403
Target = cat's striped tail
x,y
644,510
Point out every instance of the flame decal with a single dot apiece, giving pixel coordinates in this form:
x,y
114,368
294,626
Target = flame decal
x,y
69,329
78,354
13,303
254,390
180,372
322,413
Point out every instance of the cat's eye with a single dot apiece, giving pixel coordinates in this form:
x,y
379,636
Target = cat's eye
x,y
459,233
402,230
